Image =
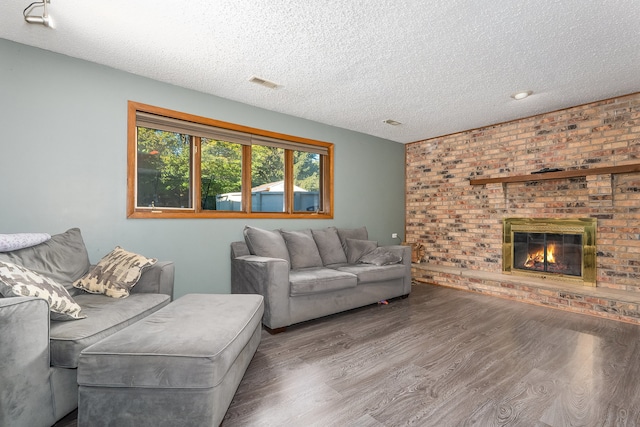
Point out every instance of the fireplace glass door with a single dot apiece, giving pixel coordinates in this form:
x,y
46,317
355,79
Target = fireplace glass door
x,y
548,253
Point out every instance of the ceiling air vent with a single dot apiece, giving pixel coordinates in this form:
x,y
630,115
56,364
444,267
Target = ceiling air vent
x,y
263,82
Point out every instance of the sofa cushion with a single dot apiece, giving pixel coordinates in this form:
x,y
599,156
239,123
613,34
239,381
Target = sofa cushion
x,y
266,243
357,248
380,256
352,233
368,273
317,280
104,317
329,245
303,251
115,274
63,258
17,281
13,242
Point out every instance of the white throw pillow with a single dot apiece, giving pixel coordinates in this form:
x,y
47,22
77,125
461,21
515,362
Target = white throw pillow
x,y
13,242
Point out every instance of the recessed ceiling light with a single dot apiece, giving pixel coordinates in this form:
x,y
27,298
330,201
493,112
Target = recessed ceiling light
x,y
521,95
263,82
392,122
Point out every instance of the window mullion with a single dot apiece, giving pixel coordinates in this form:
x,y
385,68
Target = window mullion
x,y
196,181
323,184
246,179
288,181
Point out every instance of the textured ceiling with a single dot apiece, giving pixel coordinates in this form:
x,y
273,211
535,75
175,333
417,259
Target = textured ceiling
x,y
436,66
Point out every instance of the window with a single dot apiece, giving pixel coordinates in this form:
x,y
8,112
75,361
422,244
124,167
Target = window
x,y
185,166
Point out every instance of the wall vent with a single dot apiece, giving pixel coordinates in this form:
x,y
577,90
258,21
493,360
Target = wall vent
x,y
263,82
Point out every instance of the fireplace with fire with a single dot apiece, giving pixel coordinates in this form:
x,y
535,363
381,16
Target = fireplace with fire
x,y
558,248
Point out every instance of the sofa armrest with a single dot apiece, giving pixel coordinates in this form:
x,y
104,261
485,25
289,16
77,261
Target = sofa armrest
x,y
404,252
269,277
25,393
157,279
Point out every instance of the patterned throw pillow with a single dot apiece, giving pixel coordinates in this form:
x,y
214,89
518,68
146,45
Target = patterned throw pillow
x,y
17,281
115,274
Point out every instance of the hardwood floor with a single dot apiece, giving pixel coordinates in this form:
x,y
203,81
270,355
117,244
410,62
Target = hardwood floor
x,y
444,357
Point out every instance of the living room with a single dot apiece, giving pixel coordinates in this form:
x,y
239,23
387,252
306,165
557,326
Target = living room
x,y
64,162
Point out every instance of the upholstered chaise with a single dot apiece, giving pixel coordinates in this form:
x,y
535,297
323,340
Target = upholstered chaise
x,y
39,356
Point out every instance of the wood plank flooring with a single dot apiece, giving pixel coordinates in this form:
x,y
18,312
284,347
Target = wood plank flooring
x,y
444,357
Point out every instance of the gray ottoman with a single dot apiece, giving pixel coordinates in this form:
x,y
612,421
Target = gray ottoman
x,y
180,366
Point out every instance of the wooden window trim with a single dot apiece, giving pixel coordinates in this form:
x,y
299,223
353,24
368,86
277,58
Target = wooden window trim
x,y
326,167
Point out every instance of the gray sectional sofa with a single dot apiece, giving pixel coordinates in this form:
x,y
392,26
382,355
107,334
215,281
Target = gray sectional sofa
x,y
39,356
306,274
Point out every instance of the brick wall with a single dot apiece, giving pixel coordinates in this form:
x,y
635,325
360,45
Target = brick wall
x,y
461,225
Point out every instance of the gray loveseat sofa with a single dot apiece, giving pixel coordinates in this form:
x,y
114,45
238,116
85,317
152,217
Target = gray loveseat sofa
x,y
311,273
39,356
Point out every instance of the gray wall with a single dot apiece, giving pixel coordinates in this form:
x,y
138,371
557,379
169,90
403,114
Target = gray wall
x,y
63,164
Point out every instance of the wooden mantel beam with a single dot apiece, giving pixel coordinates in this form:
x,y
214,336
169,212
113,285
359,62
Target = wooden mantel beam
x,y
634,167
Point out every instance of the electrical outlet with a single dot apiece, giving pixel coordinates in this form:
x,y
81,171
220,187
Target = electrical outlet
x,y
394,235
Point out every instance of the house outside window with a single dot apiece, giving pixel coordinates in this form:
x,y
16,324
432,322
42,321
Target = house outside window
x,y
186,166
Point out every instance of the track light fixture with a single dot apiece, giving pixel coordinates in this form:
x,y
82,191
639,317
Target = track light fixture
x,y
43,19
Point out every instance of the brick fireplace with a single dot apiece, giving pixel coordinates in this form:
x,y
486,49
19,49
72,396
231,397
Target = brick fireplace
x,y
461,187
562,249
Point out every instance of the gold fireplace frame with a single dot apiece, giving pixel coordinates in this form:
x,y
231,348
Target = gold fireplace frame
x,y
585,226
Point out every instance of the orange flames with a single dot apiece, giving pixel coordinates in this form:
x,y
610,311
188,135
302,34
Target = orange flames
x,y
550,250
538,257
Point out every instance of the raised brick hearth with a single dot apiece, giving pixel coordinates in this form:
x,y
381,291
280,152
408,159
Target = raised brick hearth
x,y
602,302
461,224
